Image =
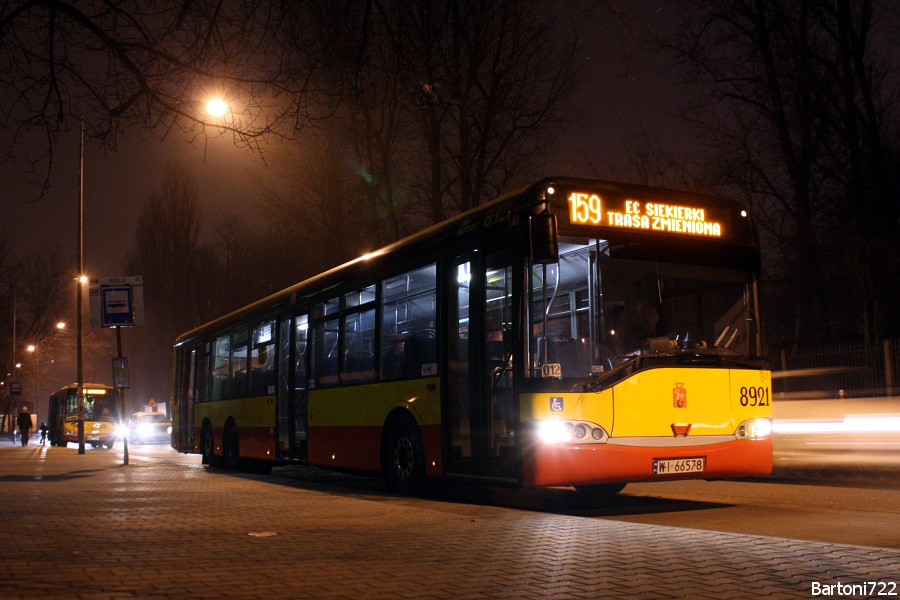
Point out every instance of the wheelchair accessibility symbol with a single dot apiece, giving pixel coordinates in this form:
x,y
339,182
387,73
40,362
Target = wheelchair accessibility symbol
x,y
556,404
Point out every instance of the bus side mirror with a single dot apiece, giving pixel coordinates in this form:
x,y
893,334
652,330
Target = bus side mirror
x,y
544,235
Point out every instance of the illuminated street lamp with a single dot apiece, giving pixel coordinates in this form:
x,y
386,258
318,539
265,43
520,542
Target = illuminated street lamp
x,y
216,107
37,371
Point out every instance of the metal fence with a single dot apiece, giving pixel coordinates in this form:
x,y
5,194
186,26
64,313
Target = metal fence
x,y
836,370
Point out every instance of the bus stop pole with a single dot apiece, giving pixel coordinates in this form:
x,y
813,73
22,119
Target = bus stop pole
x,y
121,401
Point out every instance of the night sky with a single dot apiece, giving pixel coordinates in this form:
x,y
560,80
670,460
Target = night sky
x,y
619,100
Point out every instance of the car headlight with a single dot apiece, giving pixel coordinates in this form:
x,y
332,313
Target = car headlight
x,y
754,429
145,430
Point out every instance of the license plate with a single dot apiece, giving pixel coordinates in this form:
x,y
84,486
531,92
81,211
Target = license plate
x,y
678,466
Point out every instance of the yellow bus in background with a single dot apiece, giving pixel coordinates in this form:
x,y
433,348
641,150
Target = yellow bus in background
x,y
572,333
101,416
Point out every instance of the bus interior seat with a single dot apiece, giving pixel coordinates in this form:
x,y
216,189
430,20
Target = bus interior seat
x,y
420,350
359,361
330,366
493,350
561,350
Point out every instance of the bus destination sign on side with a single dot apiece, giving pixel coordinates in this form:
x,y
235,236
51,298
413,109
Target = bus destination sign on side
x,y
623,213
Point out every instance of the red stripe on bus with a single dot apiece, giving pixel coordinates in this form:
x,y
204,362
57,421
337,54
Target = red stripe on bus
x,y
359,448
562,464
256,443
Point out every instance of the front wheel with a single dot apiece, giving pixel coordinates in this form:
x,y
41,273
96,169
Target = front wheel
x,y
404,467
601,490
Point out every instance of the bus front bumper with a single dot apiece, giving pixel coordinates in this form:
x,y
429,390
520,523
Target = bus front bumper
x,y
546,465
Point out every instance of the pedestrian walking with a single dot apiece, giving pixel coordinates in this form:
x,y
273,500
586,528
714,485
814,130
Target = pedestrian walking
x,y
24,423
44,430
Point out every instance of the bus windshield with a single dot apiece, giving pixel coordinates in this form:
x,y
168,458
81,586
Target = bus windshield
x,y
97,406
590,312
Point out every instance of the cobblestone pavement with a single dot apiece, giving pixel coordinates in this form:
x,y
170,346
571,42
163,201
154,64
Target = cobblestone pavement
x,y
84,526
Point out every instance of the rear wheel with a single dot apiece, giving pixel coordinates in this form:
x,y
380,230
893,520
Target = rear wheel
x,y
230,450
207,445
259,467
601,490
404,459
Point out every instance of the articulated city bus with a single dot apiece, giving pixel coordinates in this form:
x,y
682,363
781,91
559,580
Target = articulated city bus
x,y
101,415
572,333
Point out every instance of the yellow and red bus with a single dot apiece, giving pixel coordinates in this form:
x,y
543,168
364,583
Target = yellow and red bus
x,y
101,416
572,333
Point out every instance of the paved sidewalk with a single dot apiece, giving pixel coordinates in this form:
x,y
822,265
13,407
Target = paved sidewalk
x,y
84,526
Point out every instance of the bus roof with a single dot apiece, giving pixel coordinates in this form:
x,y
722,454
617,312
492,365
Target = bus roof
x,y
494,219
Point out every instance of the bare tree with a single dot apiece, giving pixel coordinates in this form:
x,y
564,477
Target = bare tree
x,y
787,89
37,293
168,255
147,63
486,82
318,201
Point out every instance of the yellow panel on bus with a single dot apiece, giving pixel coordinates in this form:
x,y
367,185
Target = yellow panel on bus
x,y
246,412
652,402
582,406
369,405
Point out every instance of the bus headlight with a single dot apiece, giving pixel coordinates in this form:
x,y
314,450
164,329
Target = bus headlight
x,y
568,432
754,429
552,432
121,431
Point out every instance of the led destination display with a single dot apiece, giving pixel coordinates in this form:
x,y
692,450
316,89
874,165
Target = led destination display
x,y
626,213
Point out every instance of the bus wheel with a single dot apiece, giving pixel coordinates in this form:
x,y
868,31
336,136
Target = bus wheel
x,y
207,445
230,451
601,490
404,458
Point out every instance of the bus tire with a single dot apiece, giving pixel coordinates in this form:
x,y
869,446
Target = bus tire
x,y
600,490
207,445
230,450
404,458
259,467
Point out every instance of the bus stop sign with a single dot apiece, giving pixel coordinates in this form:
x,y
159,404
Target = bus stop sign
x,y
117,302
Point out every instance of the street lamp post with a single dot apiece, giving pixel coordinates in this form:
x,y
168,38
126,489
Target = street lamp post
x,y
35,351
81,280
12,429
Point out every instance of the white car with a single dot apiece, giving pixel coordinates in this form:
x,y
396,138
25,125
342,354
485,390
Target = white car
x,y
149,428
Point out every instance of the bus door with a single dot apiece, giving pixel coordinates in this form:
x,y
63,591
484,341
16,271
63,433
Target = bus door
x,y
481,413
293,381
185,432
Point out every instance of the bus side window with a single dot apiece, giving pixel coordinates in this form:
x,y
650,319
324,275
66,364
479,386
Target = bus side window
x,y
240,380
326,346
221,371
262,360
408,345
202,376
